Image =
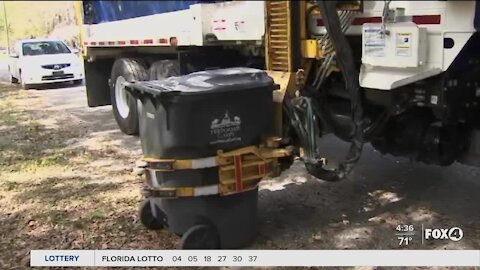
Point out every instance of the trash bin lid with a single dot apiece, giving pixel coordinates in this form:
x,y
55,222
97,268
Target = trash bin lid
x,y
202,82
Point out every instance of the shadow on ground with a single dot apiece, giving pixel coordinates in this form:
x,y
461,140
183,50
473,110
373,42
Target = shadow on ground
x,y
363,210
64,188
98,121
54,86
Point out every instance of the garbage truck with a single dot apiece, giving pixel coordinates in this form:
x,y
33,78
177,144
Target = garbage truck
x,y
400,75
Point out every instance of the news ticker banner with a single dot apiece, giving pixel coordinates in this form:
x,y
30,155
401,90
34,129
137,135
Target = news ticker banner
x,y
104,258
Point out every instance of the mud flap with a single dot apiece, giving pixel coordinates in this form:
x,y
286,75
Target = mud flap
x,y
97,74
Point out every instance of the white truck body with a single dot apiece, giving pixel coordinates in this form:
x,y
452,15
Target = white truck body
x,y
228,21
439,19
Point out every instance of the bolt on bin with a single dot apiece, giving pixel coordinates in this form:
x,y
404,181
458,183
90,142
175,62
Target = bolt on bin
x,y
200,135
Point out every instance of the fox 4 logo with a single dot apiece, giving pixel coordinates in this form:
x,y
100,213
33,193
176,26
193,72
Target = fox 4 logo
x,y
453,234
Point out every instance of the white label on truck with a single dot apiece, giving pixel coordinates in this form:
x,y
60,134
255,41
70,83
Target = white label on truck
x,y
374,41
226,129
403,44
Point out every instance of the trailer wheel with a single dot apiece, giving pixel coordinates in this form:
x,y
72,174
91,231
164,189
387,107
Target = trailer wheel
x,y
163,69
123,103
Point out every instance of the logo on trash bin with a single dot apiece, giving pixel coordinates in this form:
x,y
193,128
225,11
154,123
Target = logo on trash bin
x,y
226,129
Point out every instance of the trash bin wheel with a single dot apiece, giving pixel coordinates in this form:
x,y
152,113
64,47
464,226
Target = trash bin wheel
x,y
147,218
201,237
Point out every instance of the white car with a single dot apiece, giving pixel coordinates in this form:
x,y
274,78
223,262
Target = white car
x,y
41,61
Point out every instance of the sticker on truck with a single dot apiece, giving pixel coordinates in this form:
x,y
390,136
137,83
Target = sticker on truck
x,y
403,44
374,41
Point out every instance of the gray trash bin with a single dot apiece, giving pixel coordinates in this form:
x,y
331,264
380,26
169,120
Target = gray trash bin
x,y
193,116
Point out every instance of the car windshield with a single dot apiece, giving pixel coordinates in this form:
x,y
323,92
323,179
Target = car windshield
x,y
44,47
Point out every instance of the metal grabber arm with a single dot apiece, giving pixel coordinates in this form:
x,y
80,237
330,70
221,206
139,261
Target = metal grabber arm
x,y
301,109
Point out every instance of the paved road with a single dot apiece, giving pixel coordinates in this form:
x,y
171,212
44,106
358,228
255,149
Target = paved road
x,y
297,211
68,97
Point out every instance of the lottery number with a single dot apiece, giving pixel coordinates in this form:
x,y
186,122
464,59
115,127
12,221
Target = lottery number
x,y
237,258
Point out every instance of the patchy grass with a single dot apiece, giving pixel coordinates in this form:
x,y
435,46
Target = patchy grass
x,y
9,185
58,196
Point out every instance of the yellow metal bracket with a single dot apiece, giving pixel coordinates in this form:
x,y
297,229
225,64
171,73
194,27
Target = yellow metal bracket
x,y
238,170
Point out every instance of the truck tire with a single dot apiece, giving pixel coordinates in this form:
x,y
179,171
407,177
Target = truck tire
x,y
123,103
163,69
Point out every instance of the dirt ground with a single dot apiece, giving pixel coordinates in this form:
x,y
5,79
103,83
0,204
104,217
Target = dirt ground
x,y
66,183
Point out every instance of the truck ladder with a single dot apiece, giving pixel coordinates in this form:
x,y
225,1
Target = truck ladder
x,y
278,31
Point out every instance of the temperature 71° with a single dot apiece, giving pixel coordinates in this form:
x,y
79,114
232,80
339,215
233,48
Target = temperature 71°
x,y
404,240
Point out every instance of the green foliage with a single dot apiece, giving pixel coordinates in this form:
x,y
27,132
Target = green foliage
x,y
37,19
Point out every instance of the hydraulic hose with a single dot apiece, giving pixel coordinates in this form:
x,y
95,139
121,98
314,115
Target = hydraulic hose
x,y
345,61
